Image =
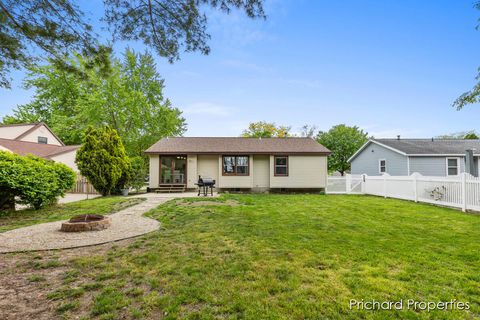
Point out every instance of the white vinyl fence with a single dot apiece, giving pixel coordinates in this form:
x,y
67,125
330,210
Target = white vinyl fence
x,y
461,191
351,184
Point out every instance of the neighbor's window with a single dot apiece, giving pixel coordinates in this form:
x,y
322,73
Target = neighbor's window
x,y
281,166
235,165
452,166
43,140
382,165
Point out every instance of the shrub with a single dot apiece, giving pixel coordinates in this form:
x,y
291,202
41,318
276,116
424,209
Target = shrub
x,y
139,172
33,180
102,160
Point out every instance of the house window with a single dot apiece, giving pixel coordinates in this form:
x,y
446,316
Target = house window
x,y
281,166
235,165
43,140
382,165
452,166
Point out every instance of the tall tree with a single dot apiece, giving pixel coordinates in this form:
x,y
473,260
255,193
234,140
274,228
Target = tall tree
x,y
343,141
129,99
263,129
30,29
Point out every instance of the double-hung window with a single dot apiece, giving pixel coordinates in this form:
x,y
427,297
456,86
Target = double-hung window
x,y
382,166
281,166
235,166
452,166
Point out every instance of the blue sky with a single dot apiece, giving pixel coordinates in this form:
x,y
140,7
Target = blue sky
x,y
389,67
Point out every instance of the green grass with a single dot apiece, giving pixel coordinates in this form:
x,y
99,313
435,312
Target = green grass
x,y
28,217
289,257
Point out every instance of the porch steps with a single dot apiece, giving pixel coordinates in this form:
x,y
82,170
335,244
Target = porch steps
x,y
170,188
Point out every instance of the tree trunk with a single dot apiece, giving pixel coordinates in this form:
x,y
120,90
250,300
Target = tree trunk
x,y
7,202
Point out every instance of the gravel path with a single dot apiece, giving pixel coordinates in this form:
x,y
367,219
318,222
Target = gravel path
x,y
124,224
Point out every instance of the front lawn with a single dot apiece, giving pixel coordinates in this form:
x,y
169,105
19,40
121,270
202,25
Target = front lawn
x,y
282,257
28,217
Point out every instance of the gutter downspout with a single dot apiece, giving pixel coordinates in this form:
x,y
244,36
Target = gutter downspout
x,y
469,164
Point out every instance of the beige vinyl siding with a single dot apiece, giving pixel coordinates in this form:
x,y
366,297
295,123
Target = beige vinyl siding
x,y
67,158
207,166
236,181
154,170
261,165
11,132
303,172
41,131
192,173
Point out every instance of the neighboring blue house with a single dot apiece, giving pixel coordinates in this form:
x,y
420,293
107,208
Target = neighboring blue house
x,y
429,157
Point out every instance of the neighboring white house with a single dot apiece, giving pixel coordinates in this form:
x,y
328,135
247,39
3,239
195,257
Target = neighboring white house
x,y
39,140
429,157
239,163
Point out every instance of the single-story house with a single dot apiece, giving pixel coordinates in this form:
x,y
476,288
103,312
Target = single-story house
x,y
429,157
255,164
37,139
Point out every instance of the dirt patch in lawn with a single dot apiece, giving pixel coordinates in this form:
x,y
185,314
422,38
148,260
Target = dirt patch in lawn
x,y
27,281
202,203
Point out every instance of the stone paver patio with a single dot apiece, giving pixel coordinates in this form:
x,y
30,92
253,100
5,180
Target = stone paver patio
x,y
125,224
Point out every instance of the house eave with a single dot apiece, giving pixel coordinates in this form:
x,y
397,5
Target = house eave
x,y
440,155
238,152
378,143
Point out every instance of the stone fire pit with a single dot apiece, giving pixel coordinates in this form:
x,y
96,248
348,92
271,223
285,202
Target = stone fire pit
x,y
86,222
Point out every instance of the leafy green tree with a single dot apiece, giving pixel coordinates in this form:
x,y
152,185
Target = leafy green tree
x,y
459,135
32,180
129,99
343,141
30,29
102,160
472,96
471,136
263,129
309,131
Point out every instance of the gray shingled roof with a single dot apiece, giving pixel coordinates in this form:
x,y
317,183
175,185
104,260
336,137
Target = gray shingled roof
x,y
223,145
427,146
38,149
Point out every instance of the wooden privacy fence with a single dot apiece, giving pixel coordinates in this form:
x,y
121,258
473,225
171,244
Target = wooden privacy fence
x,y
82,186
462,191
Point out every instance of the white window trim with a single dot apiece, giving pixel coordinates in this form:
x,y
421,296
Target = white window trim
x,y
380,167
458,166
478,166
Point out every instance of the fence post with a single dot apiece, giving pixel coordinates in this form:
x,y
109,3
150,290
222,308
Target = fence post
x,y
384,185
415,187
364,181
464,193
348,183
